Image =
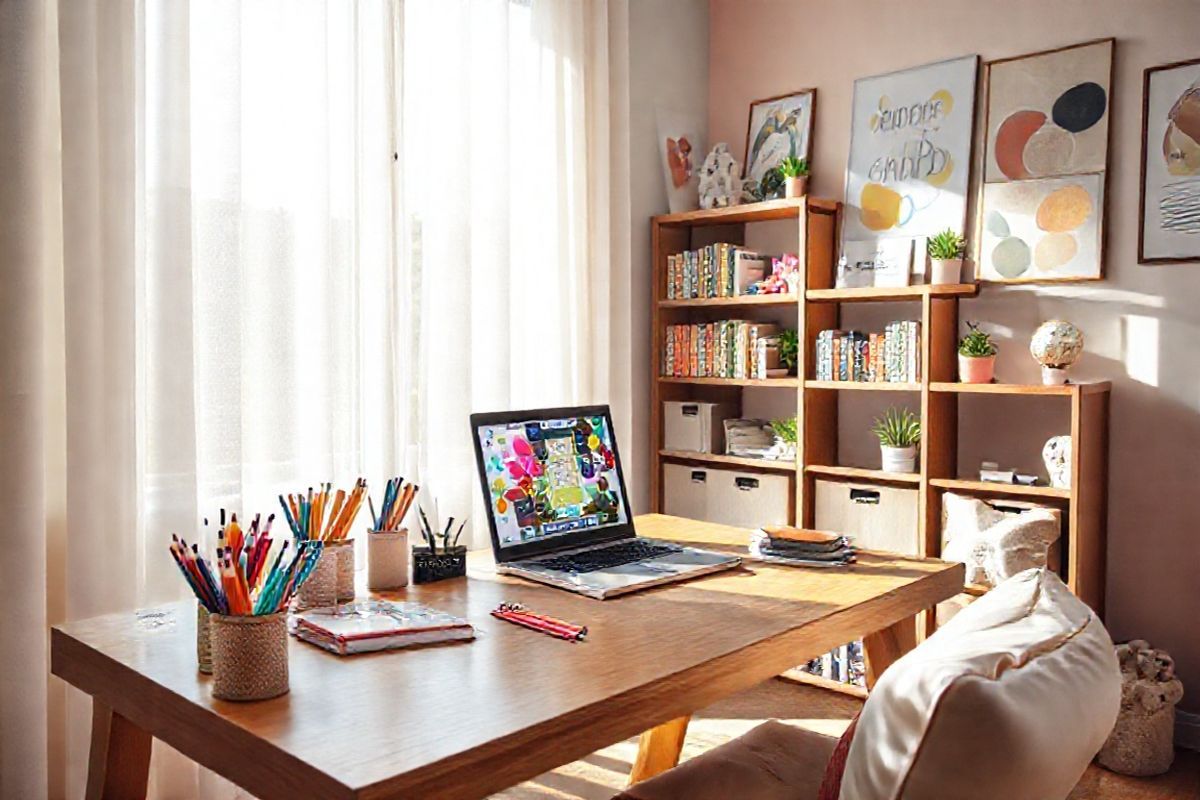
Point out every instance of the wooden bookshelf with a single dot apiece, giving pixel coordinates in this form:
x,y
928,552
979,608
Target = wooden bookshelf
x,y
818,308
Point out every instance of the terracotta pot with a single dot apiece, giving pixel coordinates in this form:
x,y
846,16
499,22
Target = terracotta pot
x,y
976,369
795,187
899,459
943,271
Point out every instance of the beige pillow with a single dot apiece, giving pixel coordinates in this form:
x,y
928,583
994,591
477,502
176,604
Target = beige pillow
x,y
994,545
1009,701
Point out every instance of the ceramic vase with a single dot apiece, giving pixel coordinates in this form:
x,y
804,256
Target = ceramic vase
x,y
1057,455
795,187
944,271
976,369
899,459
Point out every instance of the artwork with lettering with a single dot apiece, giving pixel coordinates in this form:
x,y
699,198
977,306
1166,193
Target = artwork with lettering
x,y
910,151
1170,164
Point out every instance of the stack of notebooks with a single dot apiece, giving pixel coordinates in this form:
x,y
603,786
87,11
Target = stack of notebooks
x,y
378,625
801,546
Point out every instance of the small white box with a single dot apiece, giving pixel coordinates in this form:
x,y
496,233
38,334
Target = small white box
x,y
696,427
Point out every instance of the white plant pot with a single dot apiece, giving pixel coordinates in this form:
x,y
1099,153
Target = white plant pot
x,y
899,459
943,271
1054,376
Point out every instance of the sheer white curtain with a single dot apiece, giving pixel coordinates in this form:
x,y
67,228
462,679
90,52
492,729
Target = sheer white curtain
x,y
275,243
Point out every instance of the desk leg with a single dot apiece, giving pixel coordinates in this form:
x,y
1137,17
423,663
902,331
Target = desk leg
x,y
883,647
119,764
658,749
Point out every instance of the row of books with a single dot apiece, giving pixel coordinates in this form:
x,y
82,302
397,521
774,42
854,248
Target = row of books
x,y
724,349
893,356
843,664
717,270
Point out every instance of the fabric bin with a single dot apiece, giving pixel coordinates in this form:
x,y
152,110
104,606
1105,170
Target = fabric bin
x,y
729,497
696,427
876,517
685,491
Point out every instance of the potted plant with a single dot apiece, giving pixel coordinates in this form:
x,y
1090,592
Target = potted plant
x,y
795,176
946,257
785,438
788,349
899,432
976,356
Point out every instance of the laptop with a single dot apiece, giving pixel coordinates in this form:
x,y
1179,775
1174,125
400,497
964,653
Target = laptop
x,y
558,510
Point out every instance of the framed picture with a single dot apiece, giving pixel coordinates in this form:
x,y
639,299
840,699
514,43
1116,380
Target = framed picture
x,y
870,262
1170,191
681,149
910,151
1046,135
1043,229
778,127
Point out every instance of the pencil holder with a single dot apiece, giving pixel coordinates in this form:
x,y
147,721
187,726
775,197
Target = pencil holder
x,y
387,560
203,640
250,656
345,568
430,566
321,587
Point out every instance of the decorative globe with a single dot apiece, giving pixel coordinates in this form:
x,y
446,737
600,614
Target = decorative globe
x,y
1056,343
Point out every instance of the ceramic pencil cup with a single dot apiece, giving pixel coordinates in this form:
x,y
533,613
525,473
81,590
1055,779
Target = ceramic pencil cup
x,y
203,640
387,560
345,568
250,656
321,587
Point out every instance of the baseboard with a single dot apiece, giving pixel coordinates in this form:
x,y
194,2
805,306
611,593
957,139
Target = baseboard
x,y
1187,730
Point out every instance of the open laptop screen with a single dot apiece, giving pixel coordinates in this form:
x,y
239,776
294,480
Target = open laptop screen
x,y
550,480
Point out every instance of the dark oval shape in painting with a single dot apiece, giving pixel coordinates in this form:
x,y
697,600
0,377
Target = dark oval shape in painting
x,y
1080,107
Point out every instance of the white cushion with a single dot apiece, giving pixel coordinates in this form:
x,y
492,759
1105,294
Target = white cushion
x,y
1010,700
995,545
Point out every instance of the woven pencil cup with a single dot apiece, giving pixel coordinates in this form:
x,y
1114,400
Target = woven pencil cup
x,y
345,568
250,656
320,589
203,640
387,560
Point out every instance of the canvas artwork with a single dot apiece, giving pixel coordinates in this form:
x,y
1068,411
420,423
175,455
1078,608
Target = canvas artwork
x,y
779,127
681,150
1047,113
1170,202
910,151
1042,229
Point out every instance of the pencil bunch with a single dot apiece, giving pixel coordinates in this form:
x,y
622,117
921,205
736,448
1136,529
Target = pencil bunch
x,y
240,584
518,614
313,517
397,499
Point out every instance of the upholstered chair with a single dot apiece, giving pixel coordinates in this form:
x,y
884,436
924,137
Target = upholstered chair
x,y
1010,700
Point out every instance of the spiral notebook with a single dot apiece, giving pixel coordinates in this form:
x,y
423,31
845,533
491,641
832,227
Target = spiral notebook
x,y
371,625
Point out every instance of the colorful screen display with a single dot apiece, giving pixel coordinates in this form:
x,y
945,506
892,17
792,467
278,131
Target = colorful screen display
x,y
551,477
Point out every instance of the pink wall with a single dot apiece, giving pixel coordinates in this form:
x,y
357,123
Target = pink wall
x,y
1142,324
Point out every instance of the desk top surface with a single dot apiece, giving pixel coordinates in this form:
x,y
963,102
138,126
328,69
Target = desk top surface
x,y
467,719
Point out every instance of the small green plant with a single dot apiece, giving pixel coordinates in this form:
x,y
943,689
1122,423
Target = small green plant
x,y
788,347
977,343
946,245
792,167
898,427
785,429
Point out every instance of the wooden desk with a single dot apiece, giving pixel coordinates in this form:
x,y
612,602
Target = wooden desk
x,y
466,720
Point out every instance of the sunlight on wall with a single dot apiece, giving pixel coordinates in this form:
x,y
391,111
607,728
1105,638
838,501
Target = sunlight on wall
x,y
1140,348
1091,292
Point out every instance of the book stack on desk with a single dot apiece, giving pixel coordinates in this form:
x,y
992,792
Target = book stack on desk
x,y
801,546
378,625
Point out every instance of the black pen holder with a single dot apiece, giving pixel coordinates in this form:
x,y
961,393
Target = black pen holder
x,y
429,566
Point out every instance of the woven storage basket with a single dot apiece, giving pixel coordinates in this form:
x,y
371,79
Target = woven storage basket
x,y
203,640
321,587
345,568
250,656
387,560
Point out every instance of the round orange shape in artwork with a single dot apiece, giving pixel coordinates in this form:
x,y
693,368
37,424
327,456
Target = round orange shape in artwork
x,y
879,207
1054,250
1064,209
1011,137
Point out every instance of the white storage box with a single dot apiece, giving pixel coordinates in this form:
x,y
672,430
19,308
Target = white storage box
x,y
875,517
696,427
729,497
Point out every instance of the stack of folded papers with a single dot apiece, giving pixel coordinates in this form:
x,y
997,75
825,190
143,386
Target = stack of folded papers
x,y
801,546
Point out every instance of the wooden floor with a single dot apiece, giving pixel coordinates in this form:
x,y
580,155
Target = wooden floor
x,y
602,774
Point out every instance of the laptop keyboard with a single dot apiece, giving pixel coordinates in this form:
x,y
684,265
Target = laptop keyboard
x,y
627,552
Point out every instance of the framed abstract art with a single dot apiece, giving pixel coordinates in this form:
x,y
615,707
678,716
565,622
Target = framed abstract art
x,y
1170,190
1046,165
910,153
